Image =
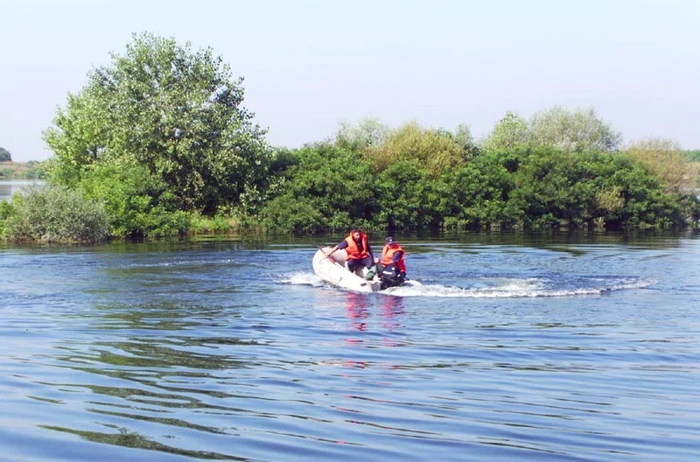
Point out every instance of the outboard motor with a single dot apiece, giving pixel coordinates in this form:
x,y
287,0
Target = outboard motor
x,y
391,277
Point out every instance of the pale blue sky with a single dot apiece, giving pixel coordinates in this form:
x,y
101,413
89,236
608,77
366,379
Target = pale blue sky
x,y
308,64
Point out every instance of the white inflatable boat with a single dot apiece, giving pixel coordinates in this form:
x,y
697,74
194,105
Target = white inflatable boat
x,y
335,273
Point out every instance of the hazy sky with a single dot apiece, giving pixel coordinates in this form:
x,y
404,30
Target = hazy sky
x,y
308,64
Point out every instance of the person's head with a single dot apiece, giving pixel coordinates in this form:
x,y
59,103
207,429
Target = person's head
x,y
355,233
390,242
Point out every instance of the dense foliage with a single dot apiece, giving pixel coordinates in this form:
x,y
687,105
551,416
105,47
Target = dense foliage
x,y
169,109
158,144
53,214
666,161
568,130
322,187
328,187
5,155
693,155
136,202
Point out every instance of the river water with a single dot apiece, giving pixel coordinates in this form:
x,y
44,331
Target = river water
x,y
9,187
556,347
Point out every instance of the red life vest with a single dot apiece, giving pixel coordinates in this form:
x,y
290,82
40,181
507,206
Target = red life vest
x,y
387,255
353,250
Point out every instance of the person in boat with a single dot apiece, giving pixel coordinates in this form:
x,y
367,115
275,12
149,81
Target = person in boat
x,y
392,266
359,252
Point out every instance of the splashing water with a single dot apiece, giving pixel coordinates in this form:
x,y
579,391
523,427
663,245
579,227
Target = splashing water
x,y
500,287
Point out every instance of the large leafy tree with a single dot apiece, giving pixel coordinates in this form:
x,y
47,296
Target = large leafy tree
x,y
510,132
176,112
579,130
5,155
368,132
666,160
437,150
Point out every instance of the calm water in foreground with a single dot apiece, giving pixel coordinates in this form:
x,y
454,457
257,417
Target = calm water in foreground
x,y
544,348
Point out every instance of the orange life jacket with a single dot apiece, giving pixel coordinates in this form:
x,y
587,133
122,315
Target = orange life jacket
x,y
353,250
387,255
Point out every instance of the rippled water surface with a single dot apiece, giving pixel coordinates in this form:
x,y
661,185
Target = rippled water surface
x,y
542,348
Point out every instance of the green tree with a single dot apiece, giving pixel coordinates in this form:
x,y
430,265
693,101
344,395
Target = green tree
x,y
665,159
409,197
463,137
368,132
176,112
323,187
573,130
137,203
510,132
436,150
481,191
5,155
578,130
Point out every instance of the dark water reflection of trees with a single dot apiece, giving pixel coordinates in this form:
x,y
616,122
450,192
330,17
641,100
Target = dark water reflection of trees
x,y
129,439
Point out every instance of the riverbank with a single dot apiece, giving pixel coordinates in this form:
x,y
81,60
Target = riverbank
x,y
31,170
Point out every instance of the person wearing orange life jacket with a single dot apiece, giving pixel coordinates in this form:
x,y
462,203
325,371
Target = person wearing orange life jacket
x,y
392,267
359,252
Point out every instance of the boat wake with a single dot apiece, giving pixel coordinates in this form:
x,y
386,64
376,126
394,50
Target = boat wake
x,y
302,278
501,287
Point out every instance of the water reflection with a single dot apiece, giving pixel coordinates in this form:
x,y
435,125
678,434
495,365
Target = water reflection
x,y
162,315
155,354
129,439
393,309
357,309
361,307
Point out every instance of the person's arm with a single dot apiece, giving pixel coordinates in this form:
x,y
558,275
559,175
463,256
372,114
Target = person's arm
x,y
377,259
340,246
397,256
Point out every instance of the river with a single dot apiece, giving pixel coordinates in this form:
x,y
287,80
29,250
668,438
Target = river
x,y
9,187
581,347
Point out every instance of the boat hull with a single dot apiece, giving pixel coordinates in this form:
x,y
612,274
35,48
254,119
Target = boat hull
x,y
335,273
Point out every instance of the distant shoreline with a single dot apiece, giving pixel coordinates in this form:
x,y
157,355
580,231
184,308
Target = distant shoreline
x,y
31,170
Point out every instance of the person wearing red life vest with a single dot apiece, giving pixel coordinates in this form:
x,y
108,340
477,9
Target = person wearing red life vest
x,y
392,266
359,252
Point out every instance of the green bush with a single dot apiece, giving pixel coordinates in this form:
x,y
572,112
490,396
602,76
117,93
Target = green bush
x,y
692,155
324,187
219,223
546,188
56,215
481,192
6,210
137,203
409,197
288,213
435,150
665,159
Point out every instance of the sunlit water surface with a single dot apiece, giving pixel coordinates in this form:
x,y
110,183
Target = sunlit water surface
x,y
542,348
